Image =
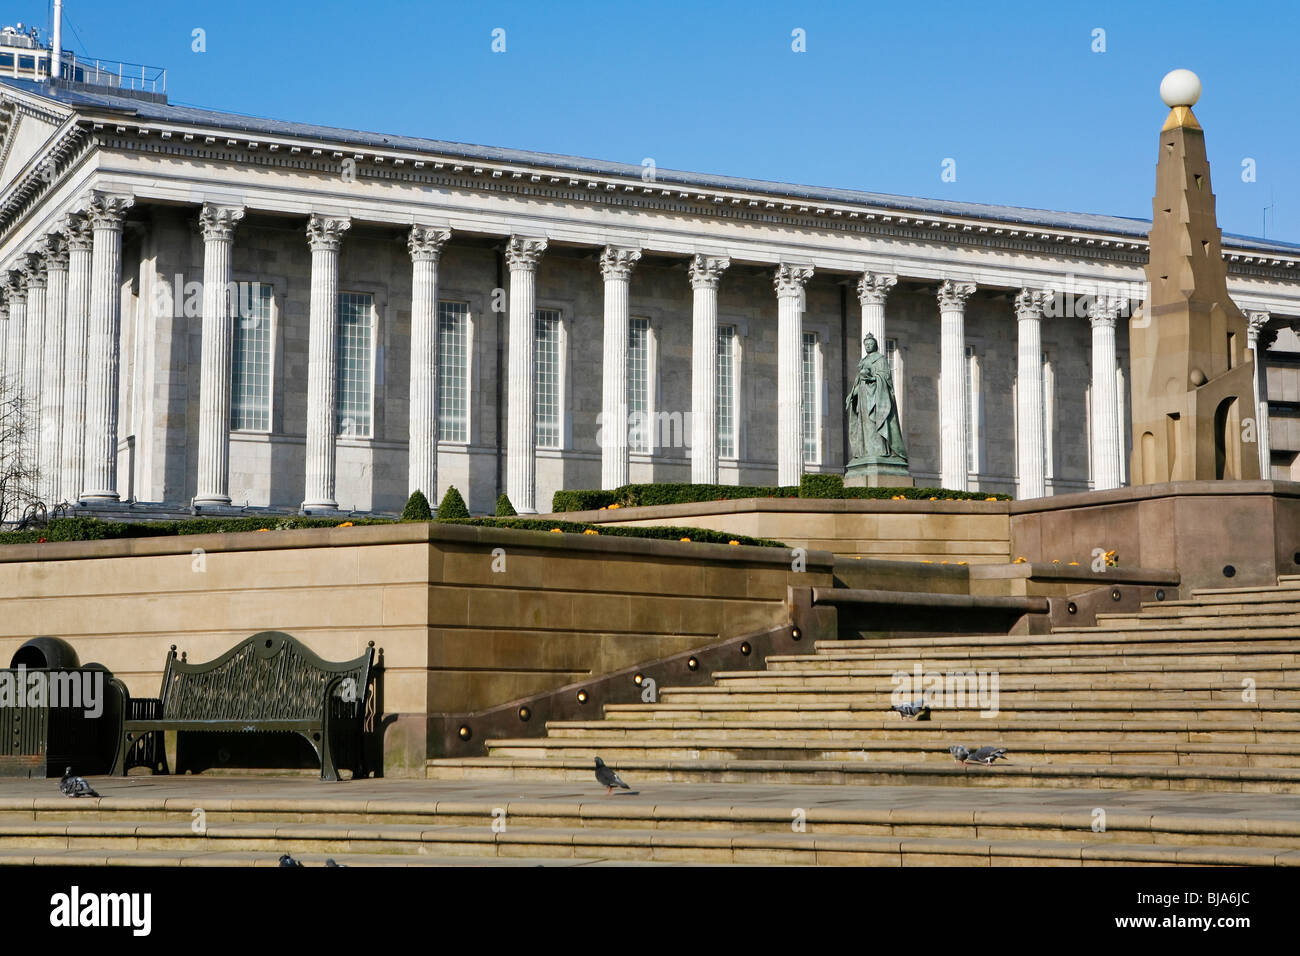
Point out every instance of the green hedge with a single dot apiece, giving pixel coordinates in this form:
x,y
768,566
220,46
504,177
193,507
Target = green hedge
x,y
578,527
832,486
810,486
632,496
93,529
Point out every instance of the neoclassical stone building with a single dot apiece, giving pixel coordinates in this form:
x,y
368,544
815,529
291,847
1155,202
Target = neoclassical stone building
x,y
209,309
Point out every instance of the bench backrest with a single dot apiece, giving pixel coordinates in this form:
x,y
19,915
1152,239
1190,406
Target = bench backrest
x,y
269,676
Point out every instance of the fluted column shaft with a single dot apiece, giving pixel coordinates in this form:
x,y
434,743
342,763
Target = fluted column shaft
x,y
1031,481
106,216
873,288
55,253
72,454
1106,444
425,244
705,274
953,426
789,282
33,367
616,267
218,226
325,235
522,256
1256,323
15,450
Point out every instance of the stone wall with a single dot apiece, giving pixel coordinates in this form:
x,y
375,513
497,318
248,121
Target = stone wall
x,y
464,618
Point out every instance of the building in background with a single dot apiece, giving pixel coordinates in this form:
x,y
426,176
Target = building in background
x,y
212,310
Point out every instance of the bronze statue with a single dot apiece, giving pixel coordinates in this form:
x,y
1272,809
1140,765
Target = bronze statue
x,y
874,431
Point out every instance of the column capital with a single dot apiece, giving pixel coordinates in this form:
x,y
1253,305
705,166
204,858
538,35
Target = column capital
x,y
33,267
15,284
789,280
108,210
54,252
77,228
425,242
325,233
524,254
1255,323
706,271
874,286
1030,304
953,294
1104,311
618,263
219,222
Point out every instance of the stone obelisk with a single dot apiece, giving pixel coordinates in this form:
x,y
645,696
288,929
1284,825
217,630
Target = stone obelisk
x,y
1192,373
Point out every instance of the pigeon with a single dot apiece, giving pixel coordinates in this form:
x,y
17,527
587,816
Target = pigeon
x,y
71,786
986,755
916,708
608,778
330,862
287,860
959,753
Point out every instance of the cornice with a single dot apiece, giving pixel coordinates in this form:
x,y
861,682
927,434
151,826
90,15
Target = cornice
x,y
428,170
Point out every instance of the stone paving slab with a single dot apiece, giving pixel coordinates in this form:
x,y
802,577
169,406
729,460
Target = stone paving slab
x,y
417,795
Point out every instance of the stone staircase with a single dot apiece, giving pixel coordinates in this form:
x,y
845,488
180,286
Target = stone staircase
x,y
1200,694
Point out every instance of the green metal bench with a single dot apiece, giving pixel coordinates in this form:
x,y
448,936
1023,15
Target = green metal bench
x,y
269,683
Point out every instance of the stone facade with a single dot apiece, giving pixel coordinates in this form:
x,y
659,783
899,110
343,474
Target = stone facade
x,y
200,196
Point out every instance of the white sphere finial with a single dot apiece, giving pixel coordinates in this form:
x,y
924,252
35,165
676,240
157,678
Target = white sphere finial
x,y
1180,88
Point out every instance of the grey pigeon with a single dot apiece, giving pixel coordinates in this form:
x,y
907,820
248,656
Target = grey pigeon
x,y
287,860
330,862
959,753
71,786
916,708
986,755
608,778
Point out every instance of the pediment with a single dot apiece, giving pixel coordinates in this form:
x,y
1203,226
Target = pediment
x,y
24,136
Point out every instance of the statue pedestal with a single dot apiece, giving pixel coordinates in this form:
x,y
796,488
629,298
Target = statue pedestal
x,y
877,473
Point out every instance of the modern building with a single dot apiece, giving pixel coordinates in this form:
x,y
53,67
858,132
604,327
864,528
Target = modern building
x,y
209,309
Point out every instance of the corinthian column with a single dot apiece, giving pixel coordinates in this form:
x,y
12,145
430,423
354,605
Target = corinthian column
x,y
425,244
33,366
324,235
789,282
1031,481
616,269
522,256
15,452
72,454
16,296
873,287
54,252
1255,325
218,226
106,216
705,273
953,426
1106,450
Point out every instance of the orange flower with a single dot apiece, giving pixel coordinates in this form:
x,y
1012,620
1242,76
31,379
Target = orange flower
x,y
613,506
268,529
683,539
557,531
733,541
346,524
591,531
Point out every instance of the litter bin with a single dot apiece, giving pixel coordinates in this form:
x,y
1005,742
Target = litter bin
x,y
54,713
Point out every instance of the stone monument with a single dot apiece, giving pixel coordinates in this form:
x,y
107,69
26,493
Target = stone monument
x,y
878,454
1192,373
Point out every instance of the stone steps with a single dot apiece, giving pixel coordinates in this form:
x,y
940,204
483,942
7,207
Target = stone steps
x,y
1038,661
1279,680
1090,640
419,845
637,771
1092,692
894,728
619,750
799,709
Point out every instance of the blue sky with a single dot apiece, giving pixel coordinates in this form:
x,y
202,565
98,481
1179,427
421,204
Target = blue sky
x,y
885,92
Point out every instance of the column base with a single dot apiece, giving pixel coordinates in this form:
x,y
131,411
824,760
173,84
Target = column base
x,y
97,497
310,506
212,501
